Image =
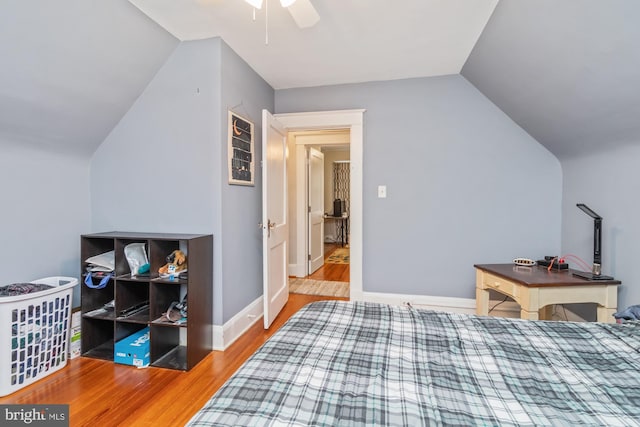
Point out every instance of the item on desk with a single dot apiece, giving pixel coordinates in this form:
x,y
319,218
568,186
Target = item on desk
x,y
337,207
553,263
524,262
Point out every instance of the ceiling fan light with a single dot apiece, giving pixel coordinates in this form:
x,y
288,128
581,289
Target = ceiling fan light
x,y
255,3
287,3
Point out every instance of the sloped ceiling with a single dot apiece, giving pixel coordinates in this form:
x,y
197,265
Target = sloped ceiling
x,y
354,41
72,68
568,72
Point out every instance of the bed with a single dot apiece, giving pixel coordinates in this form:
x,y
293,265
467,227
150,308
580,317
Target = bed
x,y
356,363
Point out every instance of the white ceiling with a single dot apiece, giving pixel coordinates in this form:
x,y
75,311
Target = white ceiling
x,y
355,40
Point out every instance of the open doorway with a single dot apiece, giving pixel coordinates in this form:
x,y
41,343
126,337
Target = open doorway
x,y
322,180
319,122
336,216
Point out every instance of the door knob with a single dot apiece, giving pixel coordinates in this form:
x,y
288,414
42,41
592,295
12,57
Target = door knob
x,y
270,225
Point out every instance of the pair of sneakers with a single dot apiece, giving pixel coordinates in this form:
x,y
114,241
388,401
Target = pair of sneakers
x,y
177,312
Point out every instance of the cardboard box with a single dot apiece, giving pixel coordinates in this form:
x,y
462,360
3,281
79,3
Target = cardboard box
x,y
75,343
134,349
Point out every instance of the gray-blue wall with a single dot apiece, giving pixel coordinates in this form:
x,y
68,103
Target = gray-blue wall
x,y
247,94
67,79
606,181
154,171
571,82
465,184
164,167
45,208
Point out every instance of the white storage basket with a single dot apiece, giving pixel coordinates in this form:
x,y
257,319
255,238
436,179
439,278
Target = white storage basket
x,y
35,335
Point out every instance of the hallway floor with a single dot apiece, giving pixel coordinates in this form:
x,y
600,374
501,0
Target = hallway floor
x,y
331,272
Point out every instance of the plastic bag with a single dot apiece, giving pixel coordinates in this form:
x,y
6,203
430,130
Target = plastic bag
x,y
103,262
136,257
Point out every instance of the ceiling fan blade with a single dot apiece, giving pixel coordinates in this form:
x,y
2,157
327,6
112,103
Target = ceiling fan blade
x,y
304,13
257,4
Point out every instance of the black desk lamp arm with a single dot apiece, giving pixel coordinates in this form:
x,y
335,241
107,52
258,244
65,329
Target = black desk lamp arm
x,y
597,242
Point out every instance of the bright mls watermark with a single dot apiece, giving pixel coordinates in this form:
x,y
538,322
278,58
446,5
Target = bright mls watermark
x,y
34,415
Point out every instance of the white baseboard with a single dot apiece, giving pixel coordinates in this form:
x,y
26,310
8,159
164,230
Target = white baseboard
x,y
450,304
462,305
225,335
218,337
296,270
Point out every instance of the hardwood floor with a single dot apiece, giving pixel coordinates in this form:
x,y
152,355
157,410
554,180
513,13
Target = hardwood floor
x,y
332,272
103,393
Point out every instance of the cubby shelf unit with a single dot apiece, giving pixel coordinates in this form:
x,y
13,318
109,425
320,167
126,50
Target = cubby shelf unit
x,y
140,301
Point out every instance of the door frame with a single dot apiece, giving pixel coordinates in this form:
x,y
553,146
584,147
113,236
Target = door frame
x,y
352,120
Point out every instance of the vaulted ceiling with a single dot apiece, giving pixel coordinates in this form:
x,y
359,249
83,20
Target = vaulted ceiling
x,y
566,71
354,41
72,68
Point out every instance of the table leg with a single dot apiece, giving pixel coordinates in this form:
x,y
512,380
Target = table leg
x,y
546,312
606,314
346,237
482,302
608,306
529,315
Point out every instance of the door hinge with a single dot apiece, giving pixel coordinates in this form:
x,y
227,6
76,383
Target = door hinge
x,y
309,209
309,257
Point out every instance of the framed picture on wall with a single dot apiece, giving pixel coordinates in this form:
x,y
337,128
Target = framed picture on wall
x,y
241,150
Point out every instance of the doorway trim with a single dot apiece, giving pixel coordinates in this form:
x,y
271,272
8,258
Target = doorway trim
x,y
352,120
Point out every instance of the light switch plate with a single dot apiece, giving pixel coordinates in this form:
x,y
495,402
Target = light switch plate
x,y
382,191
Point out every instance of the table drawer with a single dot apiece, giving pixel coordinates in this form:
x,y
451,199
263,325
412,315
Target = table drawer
x,y
499,284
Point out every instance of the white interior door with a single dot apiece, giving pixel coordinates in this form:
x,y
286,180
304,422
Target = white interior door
x,y
275,228
316,209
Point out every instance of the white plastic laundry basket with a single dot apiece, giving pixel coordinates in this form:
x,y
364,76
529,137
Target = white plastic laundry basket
x,y
34,333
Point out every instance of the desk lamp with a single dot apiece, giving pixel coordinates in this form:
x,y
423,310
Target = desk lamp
x,y
595,274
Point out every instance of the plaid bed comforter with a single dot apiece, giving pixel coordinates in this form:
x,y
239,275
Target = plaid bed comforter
x,y
351,363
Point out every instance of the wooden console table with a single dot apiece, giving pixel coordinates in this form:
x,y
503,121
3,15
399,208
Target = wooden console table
x,y
537,289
